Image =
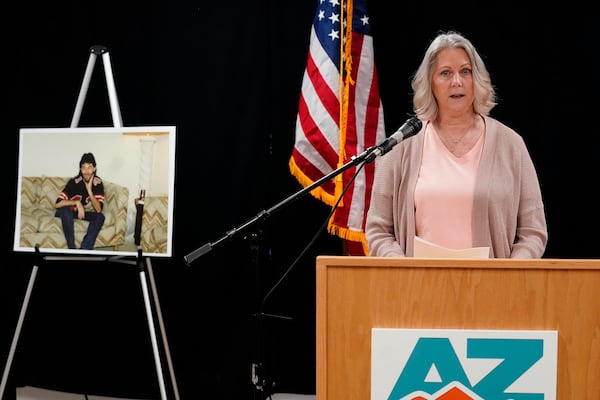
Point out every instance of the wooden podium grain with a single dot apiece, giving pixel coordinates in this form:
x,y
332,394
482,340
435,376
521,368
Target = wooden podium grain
x,y
355,294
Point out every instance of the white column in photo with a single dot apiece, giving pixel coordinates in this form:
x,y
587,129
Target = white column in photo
x,y
147,140
146,161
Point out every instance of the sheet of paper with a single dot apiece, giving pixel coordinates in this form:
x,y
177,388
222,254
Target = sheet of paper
x,y
426,249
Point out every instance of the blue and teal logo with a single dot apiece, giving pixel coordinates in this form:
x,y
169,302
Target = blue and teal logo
x,y
463,365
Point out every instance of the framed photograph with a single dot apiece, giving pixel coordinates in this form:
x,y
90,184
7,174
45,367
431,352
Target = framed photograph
x,y
130,170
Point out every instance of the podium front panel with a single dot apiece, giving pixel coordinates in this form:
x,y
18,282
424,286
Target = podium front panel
x,y
356,294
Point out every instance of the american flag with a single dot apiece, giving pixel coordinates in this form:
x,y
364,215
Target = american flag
x,y
339,113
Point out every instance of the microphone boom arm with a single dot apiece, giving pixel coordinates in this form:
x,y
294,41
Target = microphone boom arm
x,y
367,156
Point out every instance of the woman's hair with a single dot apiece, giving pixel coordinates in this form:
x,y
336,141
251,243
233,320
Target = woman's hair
x,y
424,103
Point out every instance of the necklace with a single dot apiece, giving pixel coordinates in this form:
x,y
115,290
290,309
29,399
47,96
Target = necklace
x,y
457,140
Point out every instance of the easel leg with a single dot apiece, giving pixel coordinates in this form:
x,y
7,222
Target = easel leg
x,y
110,84
150,319
18,330
162,327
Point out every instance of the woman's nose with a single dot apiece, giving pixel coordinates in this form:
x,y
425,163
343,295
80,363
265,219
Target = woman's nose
x,y
456,80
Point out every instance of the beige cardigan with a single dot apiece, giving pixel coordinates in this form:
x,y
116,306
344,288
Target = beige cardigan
x,y
508,212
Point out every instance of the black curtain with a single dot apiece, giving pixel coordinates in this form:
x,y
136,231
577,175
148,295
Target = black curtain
x,y
228,76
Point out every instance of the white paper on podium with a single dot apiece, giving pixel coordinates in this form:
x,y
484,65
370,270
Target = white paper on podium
x,y
426,249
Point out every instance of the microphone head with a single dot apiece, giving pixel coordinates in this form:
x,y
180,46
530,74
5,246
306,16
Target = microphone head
x,y
413,126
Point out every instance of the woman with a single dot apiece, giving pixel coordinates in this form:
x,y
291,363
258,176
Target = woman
x,y
466,180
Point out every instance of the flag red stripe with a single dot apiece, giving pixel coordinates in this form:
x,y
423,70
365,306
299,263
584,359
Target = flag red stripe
x,y
327,98
316,140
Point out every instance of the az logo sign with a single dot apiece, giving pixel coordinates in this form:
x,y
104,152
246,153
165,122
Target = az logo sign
x,y
417,364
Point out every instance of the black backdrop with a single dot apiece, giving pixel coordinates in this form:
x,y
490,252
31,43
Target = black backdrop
x,y
227,75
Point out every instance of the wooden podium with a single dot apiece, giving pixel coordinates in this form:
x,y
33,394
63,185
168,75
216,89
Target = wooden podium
x,y
355,294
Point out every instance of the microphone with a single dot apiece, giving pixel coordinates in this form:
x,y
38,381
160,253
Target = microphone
x,y
410,128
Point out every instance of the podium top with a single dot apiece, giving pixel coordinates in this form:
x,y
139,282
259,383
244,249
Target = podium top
x,y
492,263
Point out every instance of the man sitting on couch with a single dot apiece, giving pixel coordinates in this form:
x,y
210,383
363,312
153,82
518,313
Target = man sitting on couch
x,y
82,198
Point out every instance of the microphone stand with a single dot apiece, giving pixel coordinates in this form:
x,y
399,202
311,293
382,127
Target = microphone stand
x,y
260,383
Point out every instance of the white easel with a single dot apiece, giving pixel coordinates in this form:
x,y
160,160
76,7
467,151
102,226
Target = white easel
x,y
145,266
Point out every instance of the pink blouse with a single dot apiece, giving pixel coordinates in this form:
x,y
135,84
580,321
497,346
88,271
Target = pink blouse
x,y
444,193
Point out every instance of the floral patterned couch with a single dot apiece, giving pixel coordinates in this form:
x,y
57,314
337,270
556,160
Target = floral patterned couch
x,y
40,227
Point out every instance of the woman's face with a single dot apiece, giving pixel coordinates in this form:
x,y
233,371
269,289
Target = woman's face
x,y
452,82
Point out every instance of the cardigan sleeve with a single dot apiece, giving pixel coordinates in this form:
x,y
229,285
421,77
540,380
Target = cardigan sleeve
x,y
379,225
532,234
